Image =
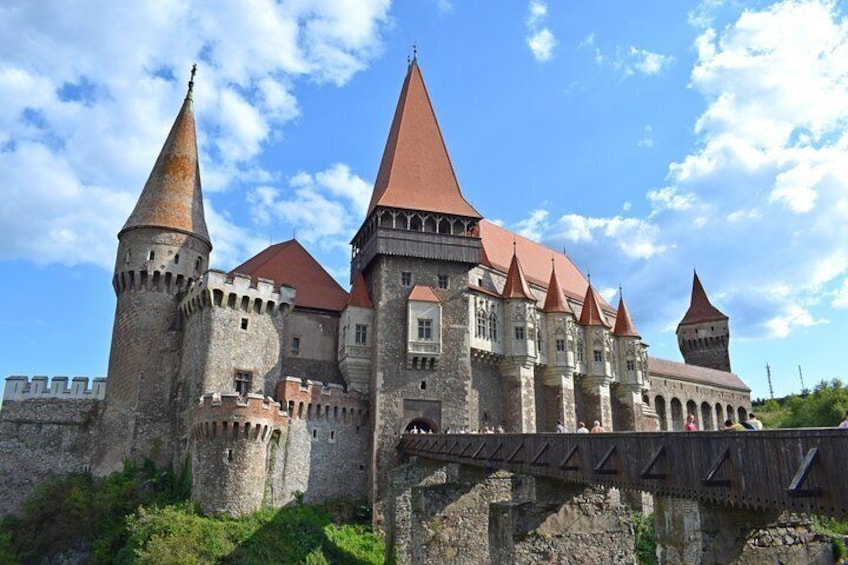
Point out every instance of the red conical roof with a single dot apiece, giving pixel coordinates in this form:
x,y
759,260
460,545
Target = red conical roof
x,y
172,198
554,300
623,324
516,284
591,314
700,308
359,293
416,171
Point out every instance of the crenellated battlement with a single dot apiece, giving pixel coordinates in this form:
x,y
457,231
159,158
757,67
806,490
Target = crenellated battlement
x,y
20,388
327,402
230,415
217,288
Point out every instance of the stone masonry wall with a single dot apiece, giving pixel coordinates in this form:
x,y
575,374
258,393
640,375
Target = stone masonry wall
x,y
40,439
669,389
392,382
484,399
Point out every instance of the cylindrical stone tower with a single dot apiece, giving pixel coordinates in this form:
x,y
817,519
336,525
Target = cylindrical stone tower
x,y
163,247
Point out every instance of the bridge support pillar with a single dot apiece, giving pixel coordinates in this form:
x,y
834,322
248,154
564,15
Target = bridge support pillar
x,y
519,394
558,399
692,532
596,402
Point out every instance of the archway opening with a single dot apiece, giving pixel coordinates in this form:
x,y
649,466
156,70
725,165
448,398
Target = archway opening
x,y
421,426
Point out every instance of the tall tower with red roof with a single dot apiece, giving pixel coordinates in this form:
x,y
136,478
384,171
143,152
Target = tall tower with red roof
x,y
703,334
162,248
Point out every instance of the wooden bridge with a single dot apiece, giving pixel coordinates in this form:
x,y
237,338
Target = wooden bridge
x,y
801,470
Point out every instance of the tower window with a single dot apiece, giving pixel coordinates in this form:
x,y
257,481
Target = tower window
x,y
243,380
295,344
560,345
599,356
198,264
128,257
151,255
406,278
361,337
177,259
519,332
443,282
631,365
423,385
425,329
244,323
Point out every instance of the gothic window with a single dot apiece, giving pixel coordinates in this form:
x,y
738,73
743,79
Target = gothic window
x,y
599,356
406,278
482,332
361,334
631,365
443,282
493,326
243,381
425,329
560,345
519,333
538,339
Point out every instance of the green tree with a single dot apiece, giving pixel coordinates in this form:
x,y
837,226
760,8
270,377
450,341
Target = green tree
x,y
824,407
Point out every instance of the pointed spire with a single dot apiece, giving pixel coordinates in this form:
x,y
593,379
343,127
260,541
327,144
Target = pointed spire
x,y
359,293
516,284
416,171
172,197
700,307
591,314
555,301
623,324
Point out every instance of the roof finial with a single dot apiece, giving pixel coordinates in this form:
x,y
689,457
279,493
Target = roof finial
x,y
589,277
514,245
414,53
191,80
620,292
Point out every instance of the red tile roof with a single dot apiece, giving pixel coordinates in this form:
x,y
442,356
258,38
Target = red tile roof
x,y
171,197
424,293
700,308
591,315
554,300
359,292
416,171
290,264
693,373
516,284
535,261
623,324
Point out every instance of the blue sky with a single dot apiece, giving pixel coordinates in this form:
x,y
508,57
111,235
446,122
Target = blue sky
x,y
645,138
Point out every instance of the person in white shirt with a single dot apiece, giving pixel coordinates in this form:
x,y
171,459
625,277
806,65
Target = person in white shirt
x,y
582,429
754,422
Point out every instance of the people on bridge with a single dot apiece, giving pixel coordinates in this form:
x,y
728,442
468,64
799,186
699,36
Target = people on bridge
x,y
560,429
691,425
844,424
582,429
752,419
729,426
597,428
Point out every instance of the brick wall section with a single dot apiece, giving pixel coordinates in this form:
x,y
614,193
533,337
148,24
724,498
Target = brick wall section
x,y
392,381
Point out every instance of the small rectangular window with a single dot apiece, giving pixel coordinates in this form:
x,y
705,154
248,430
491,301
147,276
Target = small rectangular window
x,y
361,334
295,343
599,356
443,282
425,329
151,255
406,278
244,323
519,332
177,259
243,381
560,345
631,365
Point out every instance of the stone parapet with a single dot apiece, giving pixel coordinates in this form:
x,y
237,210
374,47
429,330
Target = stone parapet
x,y
253,417
313,400
20,388
217,288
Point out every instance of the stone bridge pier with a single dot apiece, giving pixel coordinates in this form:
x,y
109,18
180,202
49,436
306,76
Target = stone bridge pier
x,y
447,513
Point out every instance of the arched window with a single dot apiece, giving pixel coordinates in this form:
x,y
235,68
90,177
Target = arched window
x,y
482,320
493,326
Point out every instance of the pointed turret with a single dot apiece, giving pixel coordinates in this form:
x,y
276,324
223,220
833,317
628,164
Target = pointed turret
x,y
700,307
416,171
516,285
359,293
591,314
555,300
172,198
703,334
623,324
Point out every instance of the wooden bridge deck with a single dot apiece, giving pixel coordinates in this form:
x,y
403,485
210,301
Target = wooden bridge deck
x,y
801,470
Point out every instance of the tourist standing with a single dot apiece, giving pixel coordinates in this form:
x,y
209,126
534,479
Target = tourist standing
x,y
690,426
597,428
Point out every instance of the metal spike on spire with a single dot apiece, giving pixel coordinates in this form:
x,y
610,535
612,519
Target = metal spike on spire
x,y
191,80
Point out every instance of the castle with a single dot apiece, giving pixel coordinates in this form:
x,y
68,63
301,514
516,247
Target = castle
x,y
273,382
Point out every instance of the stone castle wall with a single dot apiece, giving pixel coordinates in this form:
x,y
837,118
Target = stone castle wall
x,y
673,399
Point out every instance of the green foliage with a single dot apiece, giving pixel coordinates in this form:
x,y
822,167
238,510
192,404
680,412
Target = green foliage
x,y
646,540
823,407
838,532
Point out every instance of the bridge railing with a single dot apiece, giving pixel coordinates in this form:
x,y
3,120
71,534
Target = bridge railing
x,y
801,470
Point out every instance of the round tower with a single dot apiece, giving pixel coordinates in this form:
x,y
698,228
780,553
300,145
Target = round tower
x,y
232,434
163,247
703,334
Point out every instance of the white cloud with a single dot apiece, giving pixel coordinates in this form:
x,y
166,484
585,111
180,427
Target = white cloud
x,y
790,317
87,103
642,61
531,227
540,39
647,139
